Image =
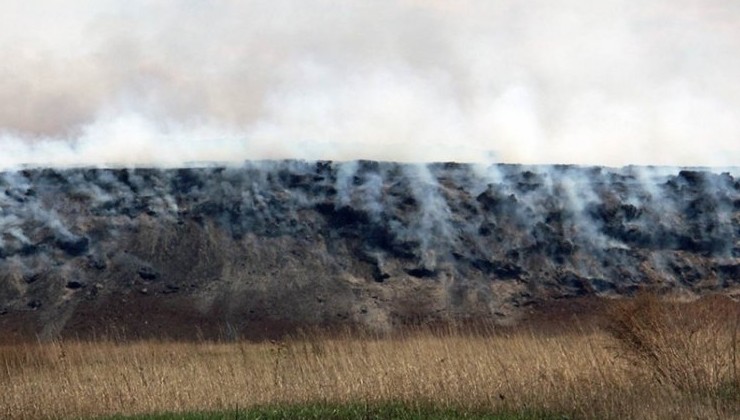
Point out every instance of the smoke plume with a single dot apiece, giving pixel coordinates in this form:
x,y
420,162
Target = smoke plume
x,y
614,82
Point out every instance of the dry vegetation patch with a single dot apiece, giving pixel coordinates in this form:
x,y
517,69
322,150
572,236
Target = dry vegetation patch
x,y
651,364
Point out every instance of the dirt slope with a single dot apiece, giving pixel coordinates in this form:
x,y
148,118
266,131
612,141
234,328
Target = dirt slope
x,y
270,247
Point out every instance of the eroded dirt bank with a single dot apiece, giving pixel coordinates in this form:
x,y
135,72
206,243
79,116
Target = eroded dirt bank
x,y
269,247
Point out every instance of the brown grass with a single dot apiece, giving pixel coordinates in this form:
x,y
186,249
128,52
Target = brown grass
x,y
655,362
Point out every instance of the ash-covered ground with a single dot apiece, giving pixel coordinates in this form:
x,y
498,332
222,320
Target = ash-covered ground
x,y
271,247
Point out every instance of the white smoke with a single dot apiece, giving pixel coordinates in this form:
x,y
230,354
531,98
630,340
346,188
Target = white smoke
x,y
611,82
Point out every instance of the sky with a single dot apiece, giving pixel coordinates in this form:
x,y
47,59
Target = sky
x,y
154,82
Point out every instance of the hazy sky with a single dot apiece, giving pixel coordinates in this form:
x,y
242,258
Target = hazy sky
x,y
577,81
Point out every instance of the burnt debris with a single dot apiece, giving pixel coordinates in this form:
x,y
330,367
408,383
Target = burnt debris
x,y
278,230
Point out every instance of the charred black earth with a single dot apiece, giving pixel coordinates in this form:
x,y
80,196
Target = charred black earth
x,y
268,247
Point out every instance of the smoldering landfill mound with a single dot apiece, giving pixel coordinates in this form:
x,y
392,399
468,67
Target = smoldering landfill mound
x,y
273,246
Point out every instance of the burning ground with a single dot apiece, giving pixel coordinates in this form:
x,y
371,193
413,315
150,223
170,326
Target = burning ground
x,y
274,246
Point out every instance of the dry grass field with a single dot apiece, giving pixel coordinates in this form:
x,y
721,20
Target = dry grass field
x,y
653,360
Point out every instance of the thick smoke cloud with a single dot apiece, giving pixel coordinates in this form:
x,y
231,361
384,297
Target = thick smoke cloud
x,y
612,82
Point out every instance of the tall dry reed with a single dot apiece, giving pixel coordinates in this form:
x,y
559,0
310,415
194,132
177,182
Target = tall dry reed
x,y
587,374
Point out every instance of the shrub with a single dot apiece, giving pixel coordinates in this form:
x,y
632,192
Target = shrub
x,y
691,347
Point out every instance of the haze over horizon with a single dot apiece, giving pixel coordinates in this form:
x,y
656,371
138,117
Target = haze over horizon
x,y
615,82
